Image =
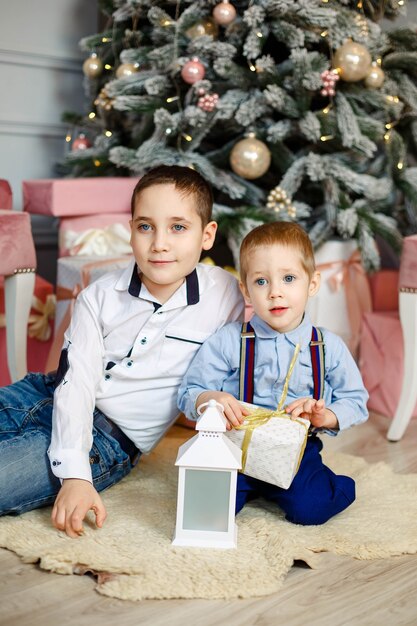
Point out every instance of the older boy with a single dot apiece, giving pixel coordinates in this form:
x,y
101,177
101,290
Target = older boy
x,y
278,276
132,335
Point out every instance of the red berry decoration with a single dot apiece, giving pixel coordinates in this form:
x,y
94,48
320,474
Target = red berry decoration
x,y
208,102
329,78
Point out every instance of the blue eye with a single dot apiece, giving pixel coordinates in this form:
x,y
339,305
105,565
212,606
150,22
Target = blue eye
x,y
178,228
261,282
289,278
144,227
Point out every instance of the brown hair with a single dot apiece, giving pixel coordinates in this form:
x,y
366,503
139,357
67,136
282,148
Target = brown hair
x,y
186,180
284,233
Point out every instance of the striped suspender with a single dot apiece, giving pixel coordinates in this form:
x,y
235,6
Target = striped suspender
x,y
317,362
247,362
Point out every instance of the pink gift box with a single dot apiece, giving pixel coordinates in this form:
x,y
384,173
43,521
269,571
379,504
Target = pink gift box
x,y
78,196
384,290
100,224
382,361
6,199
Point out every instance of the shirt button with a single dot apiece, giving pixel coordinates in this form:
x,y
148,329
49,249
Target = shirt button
x,y
143,341
129,363
107,377
160,312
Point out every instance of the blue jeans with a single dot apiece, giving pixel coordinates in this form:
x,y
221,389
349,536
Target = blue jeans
x,y
315,495
26,480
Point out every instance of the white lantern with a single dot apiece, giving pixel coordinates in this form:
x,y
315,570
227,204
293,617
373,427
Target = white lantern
x,y
208,465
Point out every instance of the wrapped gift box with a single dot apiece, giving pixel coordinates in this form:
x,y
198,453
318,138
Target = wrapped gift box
x,y
275,449
344,294
384,290
78,196
42,315
6,198
73,274
381,361
95,235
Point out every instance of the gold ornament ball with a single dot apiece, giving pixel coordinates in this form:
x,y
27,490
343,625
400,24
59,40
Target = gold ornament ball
x,y
126,69
375,77
93,66
352,61
250,158
206,26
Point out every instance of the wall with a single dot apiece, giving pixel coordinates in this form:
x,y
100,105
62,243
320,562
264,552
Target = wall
x,y
41,77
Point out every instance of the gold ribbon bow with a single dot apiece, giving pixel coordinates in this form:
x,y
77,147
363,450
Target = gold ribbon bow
x,y
38,324
260,416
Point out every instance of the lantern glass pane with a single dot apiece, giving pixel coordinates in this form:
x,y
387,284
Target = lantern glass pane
x,y
206,500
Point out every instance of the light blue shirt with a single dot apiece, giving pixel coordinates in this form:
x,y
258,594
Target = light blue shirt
x,y
217,363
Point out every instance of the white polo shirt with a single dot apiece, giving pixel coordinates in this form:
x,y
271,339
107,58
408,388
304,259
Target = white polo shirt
x,y
126,354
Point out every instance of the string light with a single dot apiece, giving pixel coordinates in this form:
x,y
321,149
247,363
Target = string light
x,y
327,109
68,138
324,33
108,133
108,66
326,137
168,131
401,3
360,4
393,98
97,163
105,39
91,115
400,165
165,22
187,137
379,61
172,99
252,67
259,34
387,136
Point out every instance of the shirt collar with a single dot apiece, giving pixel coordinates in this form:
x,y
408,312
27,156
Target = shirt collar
x,y
188,293
301,334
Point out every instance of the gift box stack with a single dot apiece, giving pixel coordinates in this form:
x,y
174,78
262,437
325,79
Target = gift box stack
x,y
94,235
382,349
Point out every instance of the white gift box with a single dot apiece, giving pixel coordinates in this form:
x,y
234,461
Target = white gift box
x,y
75,273
275,449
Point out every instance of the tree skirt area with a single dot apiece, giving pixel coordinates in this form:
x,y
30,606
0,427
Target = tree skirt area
x,y
133,558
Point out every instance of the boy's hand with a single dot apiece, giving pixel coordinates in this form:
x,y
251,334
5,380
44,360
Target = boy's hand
x,y
75,498
233,410
315,411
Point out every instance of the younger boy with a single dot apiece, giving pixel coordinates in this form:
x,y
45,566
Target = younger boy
x,y
132,335
278,276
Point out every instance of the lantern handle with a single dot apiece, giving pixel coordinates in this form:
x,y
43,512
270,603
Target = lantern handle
x,y
211,403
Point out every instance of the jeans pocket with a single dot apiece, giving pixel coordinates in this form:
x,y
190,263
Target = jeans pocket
x,y
108,463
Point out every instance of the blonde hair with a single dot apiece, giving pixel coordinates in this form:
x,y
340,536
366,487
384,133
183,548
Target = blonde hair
x,y
284,233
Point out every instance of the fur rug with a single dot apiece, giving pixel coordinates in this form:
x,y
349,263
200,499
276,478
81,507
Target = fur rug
x,y
133,558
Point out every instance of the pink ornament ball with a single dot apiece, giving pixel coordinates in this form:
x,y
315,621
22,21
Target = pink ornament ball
x,y
193,71
80,143
224,13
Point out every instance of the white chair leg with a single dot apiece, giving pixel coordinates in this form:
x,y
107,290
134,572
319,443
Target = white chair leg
x,y
408,397
18,292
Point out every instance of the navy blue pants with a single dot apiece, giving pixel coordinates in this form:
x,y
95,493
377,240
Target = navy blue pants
x,y
315,495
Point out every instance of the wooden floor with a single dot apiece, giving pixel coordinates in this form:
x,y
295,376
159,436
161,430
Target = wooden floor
x,y
344,592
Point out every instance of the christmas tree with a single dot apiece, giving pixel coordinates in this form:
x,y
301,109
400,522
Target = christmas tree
x,y
299,110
